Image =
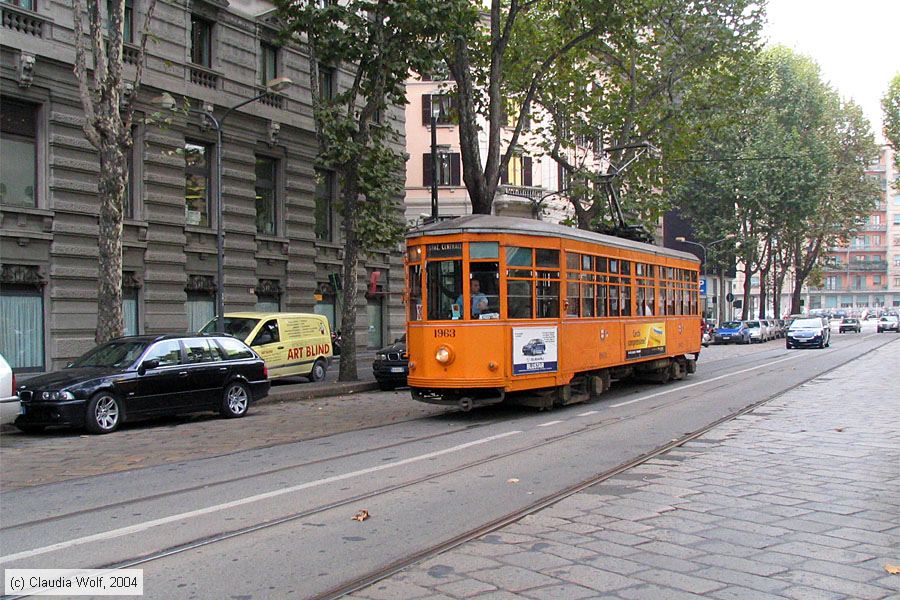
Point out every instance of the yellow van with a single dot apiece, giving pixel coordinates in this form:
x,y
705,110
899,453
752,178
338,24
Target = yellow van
x,y
290,343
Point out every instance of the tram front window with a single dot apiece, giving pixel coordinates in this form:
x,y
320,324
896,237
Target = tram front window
x,y
444,283
484,290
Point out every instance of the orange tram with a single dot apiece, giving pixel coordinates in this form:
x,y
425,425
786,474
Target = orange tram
x,y
502,308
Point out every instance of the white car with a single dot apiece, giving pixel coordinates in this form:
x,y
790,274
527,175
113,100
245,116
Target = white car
x,y
759,332
9,401
889,323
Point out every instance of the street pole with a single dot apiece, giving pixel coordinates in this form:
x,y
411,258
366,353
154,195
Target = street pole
x,y
434,169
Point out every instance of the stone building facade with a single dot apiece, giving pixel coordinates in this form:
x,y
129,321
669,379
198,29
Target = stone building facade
x,y
282,229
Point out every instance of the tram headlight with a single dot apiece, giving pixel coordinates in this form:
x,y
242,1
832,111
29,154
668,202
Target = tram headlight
x,y
444,355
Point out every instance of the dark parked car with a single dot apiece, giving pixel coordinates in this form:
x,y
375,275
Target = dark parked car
x,y
849,324
811,332
145,376
391,365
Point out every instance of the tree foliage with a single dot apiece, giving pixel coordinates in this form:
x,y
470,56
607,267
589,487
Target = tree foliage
x,y
890,105
378,42
787,176
644,80
107,97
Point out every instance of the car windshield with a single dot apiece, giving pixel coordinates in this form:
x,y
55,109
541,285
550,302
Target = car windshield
x,y
753,324
239,327
731,325
117,353
807,324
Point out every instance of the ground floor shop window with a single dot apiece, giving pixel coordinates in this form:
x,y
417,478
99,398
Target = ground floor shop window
x,y
22,328
201,308
130,310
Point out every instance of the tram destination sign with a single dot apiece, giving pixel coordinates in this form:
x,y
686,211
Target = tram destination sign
x,y
535,350
450,250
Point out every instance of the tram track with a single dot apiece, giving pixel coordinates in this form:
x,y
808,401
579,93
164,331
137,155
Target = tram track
x,y
712,373
481,529
641,388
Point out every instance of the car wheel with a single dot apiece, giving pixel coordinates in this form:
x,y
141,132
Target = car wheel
x,y
788,346
318,371
24,428
104,413
385,386
235,400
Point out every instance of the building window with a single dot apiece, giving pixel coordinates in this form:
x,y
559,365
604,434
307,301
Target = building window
x,y
448,172
27,4
326,84
439,105
127,19
22,327
201,41
266,195
325,193
196,183
200,308
18,153
518,171
268,63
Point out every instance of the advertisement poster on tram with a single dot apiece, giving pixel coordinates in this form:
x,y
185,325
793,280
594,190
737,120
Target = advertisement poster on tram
x,y
534,350
644,339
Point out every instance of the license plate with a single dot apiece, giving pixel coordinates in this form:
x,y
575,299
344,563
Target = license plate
x,y
726,337
396,369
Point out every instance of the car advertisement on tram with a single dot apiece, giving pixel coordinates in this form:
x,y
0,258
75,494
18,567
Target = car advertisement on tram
x,y
534,350
644,339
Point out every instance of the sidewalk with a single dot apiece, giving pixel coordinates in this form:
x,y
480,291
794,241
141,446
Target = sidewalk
x,y
798,499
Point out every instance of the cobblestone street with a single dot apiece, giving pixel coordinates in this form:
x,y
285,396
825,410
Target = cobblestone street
x,y
797,499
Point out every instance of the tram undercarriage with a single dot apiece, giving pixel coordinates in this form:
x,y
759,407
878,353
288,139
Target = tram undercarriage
x,y
583,387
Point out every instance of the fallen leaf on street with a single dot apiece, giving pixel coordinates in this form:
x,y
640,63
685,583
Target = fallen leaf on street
x,y
513,480
892,569
361,515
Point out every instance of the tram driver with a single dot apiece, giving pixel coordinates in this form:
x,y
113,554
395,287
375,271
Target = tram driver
x,y
479,300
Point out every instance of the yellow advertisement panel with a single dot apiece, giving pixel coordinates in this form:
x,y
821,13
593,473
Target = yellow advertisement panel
x,y
644,339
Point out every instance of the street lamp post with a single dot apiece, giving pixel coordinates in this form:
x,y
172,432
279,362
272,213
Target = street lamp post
x,y
720,281
274,85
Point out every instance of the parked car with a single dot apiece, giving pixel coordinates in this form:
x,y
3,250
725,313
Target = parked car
x,y
813,332
849,324
759,331
391,365
290,343
134,377
735,332
889,323
9,401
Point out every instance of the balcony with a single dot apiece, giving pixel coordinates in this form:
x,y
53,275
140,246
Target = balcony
x,y
204,77
522,191
867,266
22,21
874,227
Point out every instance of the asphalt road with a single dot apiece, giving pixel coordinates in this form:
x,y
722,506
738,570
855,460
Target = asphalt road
x,y
424,479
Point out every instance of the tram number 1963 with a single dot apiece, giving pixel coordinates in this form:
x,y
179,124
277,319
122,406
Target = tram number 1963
x,y
444,333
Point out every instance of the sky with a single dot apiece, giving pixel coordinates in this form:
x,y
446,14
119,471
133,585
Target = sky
x,y
855,42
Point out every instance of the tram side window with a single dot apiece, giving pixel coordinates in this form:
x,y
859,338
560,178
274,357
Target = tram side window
x,y
548,295
444,281
518,299
415,292
484,288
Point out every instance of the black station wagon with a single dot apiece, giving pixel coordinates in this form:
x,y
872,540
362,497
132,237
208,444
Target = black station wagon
x,y
137,377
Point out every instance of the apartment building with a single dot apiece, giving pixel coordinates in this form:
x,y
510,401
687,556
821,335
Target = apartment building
x,y
283,245
528,188
865,273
